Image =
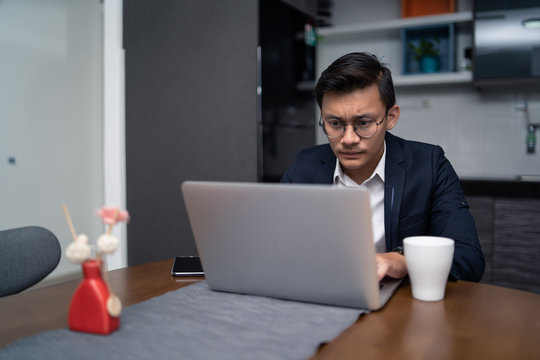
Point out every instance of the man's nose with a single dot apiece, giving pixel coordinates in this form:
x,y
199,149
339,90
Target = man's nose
x,y
350,136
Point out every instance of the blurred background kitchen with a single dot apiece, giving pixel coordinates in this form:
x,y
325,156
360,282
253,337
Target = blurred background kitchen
x,y
112,102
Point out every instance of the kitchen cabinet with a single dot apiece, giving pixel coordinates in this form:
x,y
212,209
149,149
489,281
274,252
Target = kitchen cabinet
x,y
509,233
516,244
482,208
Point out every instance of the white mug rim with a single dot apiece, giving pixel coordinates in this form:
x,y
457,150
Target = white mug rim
x,y
428,241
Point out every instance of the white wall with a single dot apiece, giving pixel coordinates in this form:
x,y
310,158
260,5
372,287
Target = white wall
x,y
483,132
51,117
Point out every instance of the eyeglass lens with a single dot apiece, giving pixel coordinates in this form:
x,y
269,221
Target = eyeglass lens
x,y
362,128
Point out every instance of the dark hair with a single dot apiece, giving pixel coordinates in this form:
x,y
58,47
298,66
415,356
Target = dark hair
x,y
356,71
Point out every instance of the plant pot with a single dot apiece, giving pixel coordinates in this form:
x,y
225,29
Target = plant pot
x,y
429,64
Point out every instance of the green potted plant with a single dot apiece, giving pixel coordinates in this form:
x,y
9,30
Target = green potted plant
x,y
427,53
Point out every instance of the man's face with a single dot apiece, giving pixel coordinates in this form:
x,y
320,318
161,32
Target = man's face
x,y
358,156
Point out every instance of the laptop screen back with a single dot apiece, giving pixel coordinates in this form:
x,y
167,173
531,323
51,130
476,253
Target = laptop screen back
x,y
309,243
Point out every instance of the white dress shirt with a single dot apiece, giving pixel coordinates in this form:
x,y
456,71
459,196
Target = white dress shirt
x,y
375,186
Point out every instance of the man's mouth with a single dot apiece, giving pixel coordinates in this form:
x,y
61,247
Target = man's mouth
x,y
350,154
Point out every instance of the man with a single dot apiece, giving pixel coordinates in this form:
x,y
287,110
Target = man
x,y
414,189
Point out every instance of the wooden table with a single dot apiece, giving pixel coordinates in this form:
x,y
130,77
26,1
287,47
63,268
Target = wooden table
x,y
474,320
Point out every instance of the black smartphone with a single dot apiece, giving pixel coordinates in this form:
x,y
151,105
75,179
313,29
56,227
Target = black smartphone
x,y
187,266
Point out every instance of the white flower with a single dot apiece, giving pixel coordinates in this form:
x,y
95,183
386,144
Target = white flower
x,y
107,243
78,251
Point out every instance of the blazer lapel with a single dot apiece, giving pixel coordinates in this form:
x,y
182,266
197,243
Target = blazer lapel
x,y
394,182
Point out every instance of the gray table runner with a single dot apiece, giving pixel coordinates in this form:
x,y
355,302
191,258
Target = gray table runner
x,y
195,322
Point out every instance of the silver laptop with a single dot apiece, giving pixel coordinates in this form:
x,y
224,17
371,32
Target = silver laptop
x,y
309,243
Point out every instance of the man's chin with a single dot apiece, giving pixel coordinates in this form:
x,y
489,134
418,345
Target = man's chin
x,y
350,165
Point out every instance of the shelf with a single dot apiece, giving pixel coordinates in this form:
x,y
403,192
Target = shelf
x,y
395,24
445,44
350,37
461,77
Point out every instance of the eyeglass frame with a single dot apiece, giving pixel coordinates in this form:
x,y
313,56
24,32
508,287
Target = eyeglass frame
x,y
321,124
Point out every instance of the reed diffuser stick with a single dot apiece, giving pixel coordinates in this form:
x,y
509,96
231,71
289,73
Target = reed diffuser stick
x,y
70,224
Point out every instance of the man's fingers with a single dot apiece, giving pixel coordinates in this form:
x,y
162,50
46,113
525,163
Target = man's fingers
x,y
392,265
382,269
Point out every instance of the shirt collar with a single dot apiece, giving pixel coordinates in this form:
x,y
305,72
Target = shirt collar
x,y
341,178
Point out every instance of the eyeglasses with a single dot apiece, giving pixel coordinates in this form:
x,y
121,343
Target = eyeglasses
x,y
365,127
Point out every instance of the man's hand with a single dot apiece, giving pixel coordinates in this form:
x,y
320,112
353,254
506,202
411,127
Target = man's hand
x,y
391,264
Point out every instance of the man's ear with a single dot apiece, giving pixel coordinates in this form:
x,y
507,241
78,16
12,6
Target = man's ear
x,y
392,118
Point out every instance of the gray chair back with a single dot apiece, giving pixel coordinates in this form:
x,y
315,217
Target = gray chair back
x,y
27,255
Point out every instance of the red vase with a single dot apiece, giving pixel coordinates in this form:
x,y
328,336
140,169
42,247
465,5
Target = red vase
x,y
88,309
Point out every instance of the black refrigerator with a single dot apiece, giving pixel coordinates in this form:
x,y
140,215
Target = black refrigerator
x,y
286,108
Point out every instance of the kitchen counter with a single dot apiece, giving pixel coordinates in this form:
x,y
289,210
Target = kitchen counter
x,y
501,188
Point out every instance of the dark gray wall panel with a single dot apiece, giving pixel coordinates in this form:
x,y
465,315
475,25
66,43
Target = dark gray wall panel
x,y
190,111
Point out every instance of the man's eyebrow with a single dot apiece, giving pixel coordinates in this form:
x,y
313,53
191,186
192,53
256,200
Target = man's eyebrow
x,y
363,116
354,117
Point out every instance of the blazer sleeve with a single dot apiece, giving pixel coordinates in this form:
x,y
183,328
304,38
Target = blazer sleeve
x,y
314,165
450,217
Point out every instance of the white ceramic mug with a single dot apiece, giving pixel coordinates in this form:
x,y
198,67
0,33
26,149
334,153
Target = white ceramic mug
x,y
429,259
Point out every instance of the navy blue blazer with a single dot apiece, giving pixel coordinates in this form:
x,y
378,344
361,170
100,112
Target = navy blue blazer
x,y
423,196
